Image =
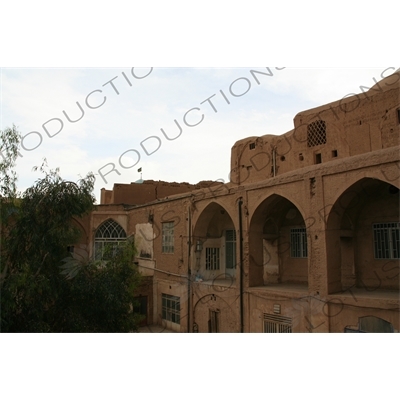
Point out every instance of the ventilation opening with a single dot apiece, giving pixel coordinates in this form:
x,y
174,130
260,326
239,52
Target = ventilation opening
x,y
318,158
334,153
252,146
316,133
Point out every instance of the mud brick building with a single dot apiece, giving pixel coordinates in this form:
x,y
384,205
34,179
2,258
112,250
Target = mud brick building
x,y
304,238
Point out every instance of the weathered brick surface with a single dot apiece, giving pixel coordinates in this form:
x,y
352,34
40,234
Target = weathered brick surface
x,y
335,179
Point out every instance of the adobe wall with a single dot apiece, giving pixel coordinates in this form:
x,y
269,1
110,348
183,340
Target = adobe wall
x,y
222,300
147,191
145,290
342,315
336,201
360,124
170,271
294,305
106,196
313,194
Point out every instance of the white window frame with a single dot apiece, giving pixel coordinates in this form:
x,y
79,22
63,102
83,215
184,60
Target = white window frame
x,y
109,234
213,259
171,308
230,249
167,238
298,242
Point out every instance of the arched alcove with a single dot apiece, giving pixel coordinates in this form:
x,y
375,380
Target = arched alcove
x,y
278,246
363,239
214,242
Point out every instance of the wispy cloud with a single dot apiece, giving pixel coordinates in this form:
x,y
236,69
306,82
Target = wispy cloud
x,y
143,107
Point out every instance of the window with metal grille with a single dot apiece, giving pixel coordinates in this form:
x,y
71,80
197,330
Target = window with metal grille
x,y
316,133
387,240
168,237
298,243
277,324
109,235
171,308
212,258
230,249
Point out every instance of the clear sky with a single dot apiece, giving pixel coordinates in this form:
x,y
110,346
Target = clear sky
x,y
122,112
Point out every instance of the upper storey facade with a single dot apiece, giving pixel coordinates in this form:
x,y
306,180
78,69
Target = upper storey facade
x,y
358,124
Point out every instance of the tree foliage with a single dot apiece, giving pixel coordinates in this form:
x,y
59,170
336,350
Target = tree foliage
x,y
107,290
10,140
44,288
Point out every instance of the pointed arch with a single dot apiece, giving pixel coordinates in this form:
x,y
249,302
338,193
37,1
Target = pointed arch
x,y
108,236
278,245
110,229
363,236
214,240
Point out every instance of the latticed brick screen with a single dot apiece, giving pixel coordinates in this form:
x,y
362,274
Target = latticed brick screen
x,y
316,133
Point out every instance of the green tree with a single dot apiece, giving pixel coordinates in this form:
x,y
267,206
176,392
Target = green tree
x,y
10,140
107,290
9,144
43,288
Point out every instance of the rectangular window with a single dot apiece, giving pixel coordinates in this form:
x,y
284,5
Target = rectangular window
x,y
168,237
298,243
277,324
106,250
387,240
213,322
171,308
212,258
230,249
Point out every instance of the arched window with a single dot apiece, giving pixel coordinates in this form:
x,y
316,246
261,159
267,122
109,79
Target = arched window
x,y
370,324
108,237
